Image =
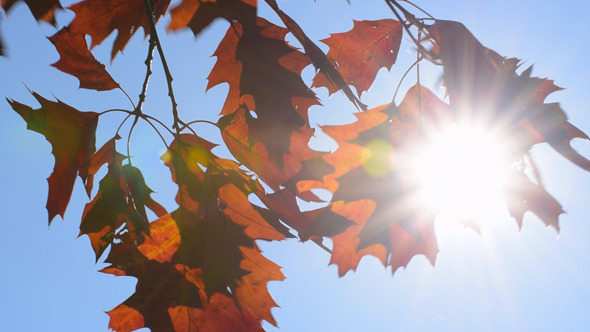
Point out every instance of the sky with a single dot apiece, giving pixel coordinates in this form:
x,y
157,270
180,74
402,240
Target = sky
x,y
503,279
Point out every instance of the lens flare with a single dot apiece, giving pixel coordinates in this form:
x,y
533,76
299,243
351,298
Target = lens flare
x,y
461,172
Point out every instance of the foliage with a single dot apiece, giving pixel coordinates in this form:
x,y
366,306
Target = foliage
x,y
199,267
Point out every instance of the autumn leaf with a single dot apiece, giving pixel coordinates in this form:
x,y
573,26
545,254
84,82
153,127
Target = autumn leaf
x,y
78,61
370,189
72,136
212,276
313,224
265,125
121,200
159,287
198,14
216,206
320,61
219,313
521,195
99,18
361,52
41,9
483,86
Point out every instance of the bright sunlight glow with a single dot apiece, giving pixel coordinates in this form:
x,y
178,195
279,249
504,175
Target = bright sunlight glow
x,y
461,172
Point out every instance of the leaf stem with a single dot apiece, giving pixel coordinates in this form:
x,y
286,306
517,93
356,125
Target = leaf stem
x,y
403,77
199,121
127,95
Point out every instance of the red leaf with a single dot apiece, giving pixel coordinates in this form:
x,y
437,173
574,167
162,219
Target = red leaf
x,y
370,189
361,52
99,18
215,206
198,14
265,124
72,136
318,58
78,61
41,9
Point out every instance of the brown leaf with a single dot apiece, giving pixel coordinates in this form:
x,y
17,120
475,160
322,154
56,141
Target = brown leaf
x,y
198,14
99,18
41,9
215,206
361,52
265,124
78,61
121,200
160,286
72,136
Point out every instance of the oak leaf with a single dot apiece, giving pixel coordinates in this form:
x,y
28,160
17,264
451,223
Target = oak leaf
x,y
41,9
483,86
78,61
159,287
121,200
216,206
319,59
198,14
99,18
361,52
72,136
370,189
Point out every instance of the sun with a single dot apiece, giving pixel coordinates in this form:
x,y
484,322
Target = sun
x,y
461,171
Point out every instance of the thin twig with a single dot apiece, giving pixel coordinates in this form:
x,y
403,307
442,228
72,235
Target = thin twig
x,y
199,121
403,77
127,95
138,110
115,110
148,73
419,87
149,117
154,33
420,9
122,123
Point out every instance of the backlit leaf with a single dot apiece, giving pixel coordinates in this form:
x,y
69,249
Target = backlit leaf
x,y
77,60
99,18
361,52
72,136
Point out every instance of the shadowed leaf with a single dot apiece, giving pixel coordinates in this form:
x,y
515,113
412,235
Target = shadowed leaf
x,y
72,136
99,18
199,14
78,61
43,10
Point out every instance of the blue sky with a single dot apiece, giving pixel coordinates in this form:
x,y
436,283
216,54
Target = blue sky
x,y
499,280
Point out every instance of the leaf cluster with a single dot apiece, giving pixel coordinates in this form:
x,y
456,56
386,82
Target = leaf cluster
x,y
199,267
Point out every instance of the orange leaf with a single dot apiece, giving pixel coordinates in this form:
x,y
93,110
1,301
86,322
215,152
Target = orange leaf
x,y
99,18
41,9
77,60
198,14
361,52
